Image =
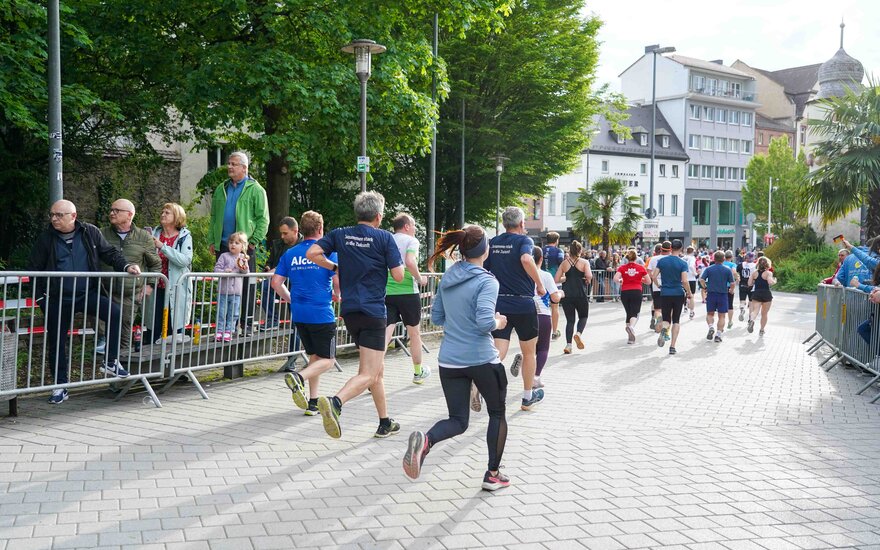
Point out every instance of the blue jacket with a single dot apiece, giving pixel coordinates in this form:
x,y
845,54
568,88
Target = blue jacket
x,y
860,263
465,307
868,261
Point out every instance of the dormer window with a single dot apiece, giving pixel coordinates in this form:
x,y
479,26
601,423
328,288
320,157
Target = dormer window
x,y
664,141
620,139
643,139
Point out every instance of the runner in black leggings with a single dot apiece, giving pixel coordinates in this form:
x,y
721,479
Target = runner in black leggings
x,y
577,274
631,276
465,306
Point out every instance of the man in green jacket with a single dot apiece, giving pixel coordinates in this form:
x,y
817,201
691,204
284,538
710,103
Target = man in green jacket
x,y
240,204
137,246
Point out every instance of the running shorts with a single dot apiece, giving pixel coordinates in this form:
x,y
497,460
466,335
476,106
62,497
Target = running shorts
x,y
318,338
403,307
715,301
670,308
366,332
526,325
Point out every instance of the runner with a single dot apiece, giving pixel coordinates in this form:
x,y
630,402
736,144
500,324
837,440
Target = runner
x,y
656,317
465,305
576,303
544,304
510,260
311,293
692,275
717,279
402,299
366,253
553,258
672,271
631,276
762,279
728,261
744,271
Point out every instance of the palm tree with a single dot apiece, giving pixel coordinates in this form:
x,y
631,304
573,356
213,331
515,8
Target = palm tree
x,y
849,157
607,212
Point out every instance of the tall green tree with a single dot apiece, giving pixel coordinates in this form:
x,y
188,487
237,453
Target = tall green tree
x,y
788,176
848,157
608,214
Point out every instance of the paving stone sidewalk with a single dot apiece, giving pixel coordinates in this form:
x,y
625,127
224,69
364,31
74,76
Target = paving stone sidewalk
x,y
745,444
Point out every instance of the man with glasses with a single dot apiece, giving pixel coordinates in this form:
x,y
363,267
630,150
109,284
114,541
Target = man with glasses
x,y
137,246
239,204
70,245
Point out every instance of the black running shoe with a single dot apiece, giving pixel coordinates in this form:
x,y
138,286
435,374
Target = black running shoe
x,y
331,417
416,451
384,431
312,409
495,482
671,350
517,363
711,333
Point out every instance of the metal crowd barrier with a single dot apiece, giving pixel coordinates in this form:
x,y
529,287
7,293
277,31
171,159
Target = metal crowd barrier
x,y
604,287
828,329
62,317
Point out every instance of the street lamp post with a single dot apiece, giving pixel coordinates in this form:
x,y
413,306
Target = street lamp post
x,y
499,167
770,208
654,49
363,51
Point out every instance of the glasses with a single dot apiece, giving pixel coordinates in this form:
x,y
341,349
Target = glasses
x,y
118,210
234,164
58,215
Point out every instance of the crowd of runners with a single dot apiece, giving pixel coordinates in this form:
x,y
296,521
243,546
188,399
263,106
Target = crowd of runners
x,y
496,287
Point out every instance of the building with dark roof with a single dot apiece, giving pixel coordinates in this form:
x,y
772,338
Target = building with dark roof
x,y
767,129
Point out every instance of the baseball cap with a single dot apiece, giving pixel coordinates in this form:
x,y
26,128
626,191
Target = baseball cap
x,y
750,255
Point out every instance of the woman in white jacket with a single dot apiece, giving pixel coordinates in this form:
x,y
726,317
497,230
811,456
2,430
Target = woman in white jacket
x,y
175,248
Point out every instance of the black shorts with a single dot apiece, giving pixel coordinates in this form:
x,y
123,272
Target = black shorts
x,y
655,295
671,308
318,338
403,307
730,298
693,285
744,293
366,332
762,296
526,325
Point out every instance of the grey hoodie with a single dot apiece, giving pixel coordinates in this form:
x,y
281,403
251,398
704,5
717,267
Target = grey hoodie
x,y
465,307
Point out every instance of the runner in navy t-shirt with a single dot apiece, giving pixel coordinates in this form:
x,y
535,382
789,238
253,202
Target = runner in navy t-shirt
x,y
553,258
670,273
510,260
311,292
366,254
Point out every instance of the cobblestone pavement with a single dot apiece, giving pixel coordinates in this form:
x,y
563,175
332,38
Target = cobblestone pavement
x,y
745,444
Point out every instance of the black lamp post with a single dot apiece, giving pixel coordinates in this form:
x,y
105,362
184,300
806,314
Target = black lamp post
x,y
499,167
363,51
654,49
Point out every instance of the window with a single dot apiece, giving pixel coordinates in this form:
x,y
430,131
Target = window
x,y
733,174
733,117
571,204
698,83
620,139
760,138
216,157
695,111
643,139
721,144
708,143
643,169
723,87
643,200
734,145
742,174
803,135
674,205
662,170
726,212
719,172
536,209
707,172
604,166
674,170
721,115
552,205
709,113
712,85
693,171
694,141
746,146
746,119
735,89
664,141
701,214
661,205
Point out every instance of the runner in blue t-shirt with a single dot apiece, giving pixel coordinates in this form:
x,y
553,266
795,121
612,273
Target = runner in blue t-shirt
x,y
366,254
553,258
510,261
717,279
311,293
670,273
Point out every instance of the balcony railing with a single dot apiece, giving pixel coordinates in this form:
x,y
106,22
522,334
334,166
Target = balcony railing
x,y
730,94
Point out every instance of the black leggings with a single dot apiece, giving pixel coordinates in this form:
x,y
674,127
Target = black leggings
x,y
632,303
571,305
491,381
542,348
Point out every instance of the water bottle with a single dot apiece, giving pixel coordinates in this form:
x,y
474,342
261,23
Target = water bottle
x,y
197,332
138,334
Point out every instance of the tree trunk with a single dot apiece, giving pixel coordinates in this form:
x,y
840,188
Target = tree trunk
x,y
277,177
872,227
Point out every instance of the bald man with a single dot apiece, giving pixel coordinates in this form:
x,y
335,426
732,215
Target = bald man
x,y
68,244
137,246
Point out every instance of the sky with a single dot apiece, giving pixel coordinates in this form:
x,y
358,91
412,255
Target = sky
x,y
766,34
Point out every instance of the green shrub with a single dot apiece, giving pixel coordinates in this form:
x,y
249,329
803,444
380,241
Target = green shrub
x,y
802,271
793,241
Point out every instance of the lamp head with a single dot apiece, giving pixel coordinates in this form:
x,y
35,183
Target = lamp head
x,y
363,51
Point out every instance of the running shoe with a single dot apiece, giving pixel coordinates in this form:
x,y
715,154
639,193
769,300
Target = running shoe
x,y
661,340
566,349
331,417
420,378
294,381
691,314
556,334
537,397
760,333
653,322
671,350
495,482
742,314
384,431
538,383
227,336
751,326
631,335
517,363
114,369
718,338
730,324
58,397
312,410
711,333
578,340
416,451
476,399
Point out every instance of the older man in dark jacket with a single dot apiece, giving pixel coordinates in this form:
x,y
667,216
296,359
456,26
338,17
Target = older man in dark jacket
x,y
70,245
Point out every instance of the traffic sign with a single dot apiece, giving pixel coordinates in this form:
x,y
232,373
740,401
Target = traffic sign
x,y
651,213
651,229
363,164
751,217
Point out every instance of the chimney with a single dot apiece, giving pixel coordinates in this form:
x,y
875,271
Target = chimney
x,y
717,61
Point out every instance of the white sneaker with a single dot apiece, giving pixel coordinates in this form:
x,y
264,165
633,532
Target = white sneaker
x,y
420,378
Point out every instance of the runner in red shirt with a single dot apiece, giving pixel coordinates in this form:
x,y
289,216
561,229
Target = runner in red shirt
x,y
631,276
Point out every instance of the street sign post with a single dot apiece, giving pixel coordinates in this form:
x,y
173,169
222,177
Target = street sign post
x,y
651,230
363,164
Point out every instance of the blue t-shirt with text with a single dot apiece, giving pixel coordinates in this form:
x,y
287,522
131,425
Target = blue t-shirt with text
x,y
516,289
311,286
671,268
718,278
365,256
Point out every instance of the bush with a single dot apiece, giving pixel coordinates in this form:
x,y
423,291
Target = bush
x,y
803,271
793,241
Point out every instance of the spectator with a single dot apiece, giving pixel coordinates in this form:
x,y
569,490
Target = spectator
x,y
612,269
136,245
366,254
229,288
174,244
857,268
70,245
239,204
600,284
841,257
289,231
